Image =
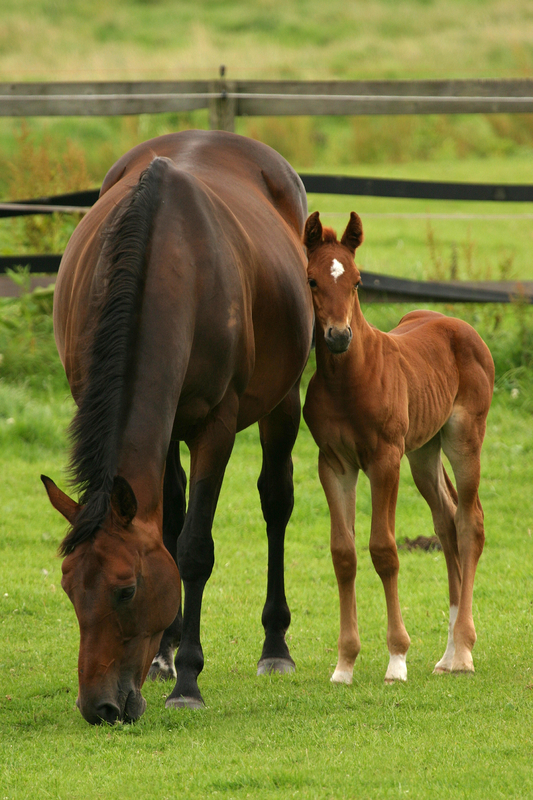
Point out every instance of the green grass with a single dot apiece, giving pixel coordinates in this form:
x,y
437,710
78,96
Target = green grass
x,y
293,736
436,736
266,39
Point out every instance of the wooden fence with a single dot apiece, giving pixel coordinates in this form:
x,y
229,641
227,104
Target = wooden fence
x,y
227,99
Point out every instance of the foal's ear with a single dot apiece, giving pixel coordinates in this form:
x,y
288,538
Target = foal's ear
x,y
123,500
353,235
61,501
313,232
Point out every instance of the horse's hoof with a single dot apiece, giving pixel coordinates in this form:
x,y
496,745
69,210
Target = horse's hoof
x,y
441,670
185,702
162,671
463,665
465,669
280,665
344,676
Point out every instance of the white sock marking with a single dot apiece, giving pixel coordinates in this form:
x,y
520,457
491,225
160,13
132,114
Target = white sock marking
x,y
445,663
342,676
336,269
397,669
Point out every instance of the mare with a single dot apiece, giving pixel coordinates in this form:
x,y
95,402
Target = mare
x,y
182,314
422,387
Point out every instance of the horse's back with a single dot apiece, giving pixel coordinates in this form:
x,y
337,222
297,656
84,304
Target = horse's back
x,y
439,346
224,162
225,281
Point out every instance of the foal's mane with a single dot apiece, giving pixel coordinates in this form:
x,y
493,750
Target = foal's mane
x,y
97,426
329,236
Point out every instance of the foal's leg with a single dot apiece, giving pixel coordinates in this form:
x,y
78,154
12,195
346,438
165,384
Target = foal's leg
x,y
437,490
278,433
174,504
384,477
462,437
339,487
210,450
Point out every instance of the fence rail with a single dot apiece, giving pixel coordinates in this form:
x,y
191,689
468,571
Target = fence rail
x,y
317,184
227,99
376,287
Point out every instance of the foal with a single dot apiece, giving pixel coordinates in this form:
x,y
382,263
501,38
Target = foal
x,y
424,386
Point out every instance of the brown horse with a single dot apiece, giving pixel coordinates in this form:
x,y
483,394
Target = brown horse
x,y
424,386
182,313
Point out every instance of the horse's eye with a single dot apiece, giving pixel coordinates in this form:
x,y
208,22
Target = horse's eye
x,y
312,283
125,594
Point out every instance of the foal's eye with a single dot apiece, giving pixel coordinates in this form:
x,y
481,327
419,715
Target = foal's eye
x,y
312,283
125,594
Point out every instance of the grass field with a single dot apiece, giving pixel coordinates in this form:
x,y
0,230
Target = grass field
x,y
293,736
297,736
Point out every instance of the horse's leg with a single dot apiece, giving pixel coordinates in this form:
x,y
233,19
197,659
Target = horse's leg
x,y
174,504
339,487
462,437
436,488
210,450
277,431
384,474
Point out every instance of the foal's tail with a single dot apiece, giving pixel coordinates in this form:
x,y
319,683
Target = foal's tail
x,y
97,427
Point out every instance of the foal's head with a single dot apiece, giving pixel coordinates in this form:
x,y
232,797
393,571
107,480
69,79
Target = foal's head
x,y
333,278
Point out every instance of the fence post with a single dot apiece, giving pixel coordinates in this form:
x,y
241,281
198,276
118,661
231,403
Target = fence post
x,y
222,108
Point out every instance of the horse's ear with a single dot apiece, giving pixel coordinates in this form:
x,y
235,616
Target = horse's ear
x,y
313,232
353,235
123,500
61,501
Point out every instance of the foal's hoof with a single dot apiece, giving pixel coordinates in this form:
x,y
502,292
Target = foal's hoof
x,y
162,670
184,702
344,676
280,665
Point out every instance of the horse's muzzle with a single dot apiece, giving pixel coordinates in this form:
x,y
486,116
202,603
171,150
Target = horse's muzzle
x,y
338,339
109,711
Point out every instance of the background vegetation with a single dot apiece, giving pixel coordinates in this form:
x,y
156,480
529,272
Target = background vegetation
x,y
300,736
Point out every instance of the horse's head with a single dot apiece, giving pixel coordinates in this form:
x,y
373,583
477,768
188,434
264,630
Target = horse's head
x,y
333,278
125,588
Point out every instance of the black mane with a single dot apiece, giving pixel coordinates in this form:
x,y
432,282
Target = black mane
x,y
97,426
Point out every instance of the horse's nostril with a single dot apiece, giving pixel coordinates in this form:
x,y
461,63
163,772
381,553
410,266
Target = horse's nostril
x,y
338,339
108,712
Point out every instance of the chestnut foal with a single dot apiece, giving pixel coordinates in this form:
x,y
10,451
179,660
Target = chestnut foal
x,y
424,386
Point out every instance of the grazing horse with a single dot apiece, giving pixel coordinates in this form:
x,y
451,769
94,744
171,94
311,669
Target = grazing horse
x,y
182,313
424,386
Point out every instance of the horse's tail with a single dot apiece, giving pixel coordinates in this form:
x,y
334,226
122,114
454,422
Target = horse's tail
x,y
97,426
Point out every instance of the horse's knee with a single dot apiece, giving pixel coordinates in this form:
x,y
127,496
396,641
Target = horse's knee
x,y
277,496
471,532
344,561
195,563
385,558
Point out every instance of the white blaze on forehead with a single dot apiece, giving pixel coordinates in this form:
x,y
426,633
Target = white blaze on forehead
x,y
336,269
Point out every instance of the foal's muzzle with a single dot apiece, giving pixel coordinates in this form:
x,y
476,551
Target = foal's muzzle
x,y
338,339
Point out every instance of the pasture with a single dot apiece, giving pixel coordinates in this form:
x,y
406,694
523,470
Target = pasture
x,y
294,735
